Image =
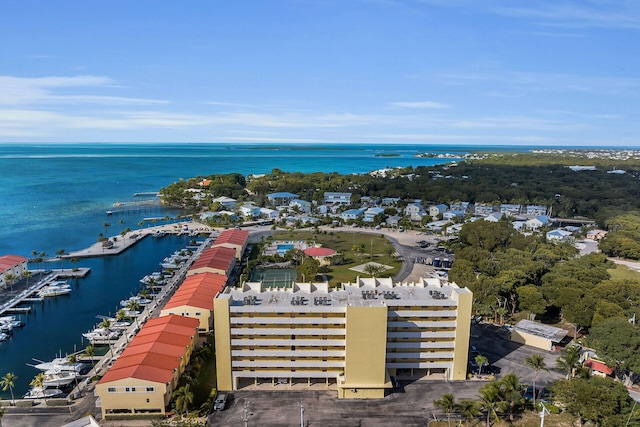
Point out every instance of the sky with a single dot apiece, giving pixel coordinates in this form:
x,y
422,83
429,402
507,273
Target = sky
x,y
489,72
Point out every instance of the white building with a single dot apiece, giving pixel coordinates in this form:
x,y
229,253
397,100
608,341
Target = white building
x,y
337,198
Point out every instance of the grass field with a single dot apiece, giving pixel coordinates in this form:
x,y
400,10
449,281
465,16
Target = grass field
x,y
371,247
622,272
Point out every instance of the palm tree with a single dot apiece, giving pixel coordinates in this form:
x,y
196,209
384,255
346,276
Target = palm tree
x,y
448,404
512,389
90,351
490,400
60,252
26,274
8,382
72,359
105,324
469,409
121,315
568,359
38,381
106,226
536,362
183,399
481,361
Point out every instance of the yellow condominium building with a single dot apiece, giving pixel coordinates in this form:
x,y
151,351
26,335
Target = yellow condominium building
x,y
354,338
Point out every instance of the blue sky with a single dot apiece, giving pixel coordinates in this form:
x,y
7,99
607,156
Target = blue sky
x,y
508,72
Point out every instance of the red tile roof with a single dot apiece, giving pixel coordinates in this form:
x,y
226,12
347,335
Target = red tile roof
x,y
319,252
156,352
232,236
219,258
598,366
10,261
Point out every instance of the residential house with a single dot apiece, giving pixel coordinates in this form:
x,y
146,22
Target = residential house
x,y
282,198
459,206
494,217
536,210
390,201
269,213
451,214
249,210
414,211
558,235
302,205
371,213
596,234
351,214
510,209
227,202
483,209
436,210
335,198
393,220
537,222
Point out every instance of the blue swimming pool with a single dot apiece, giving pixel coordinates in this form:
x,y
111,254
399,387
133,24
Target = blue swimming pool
x,y
282,248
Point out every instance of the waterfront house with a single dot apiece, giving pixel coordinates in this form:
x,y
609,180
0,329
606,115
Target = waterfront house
x,y
227,202
335,198
281,198
538,222
142,380
194,298
12,267
233,238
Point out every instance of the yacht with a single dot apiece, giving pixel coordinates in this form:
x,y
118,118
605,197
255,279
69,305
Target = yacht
x,y
138,299
3,336
59,364
54,289
102,334
42,393
59,379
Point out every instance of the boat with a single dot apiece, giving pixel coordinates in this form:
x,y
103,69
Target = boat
x,y
59,364
59,379
54,289
115,323
158,233
42,393
102,334
155,278
138,299
3,336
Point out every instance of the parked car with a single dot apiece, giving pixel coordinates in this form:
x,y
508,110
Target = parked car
x,y
528,394
220,402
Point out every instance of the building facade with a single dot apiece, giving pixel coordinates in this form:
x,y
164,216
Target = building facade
x,y
353,339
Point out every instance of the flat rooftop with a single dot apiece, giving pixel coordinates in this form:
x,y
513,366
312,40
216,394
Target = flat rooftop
x,y
364,292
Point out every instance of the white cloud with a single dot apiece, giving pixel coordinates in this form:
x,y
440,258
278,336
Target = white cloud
x,y
420,104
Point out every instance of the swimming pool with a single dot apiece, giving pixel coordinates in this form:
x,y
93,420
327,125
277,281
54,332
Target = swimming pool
x,y
282,248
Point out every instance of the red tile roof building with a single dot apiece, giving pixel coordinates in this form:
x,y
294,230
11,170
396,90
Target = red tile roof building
x,y
194,298
220,260
142,380
11,266
233,238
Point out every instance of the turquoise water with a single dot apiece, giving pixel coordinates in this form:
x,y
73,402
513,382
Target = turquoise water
x,y
282,249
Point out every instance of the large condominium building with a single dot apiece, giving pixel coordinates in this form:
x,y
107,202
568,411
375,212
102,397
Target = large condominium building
x,y
354,338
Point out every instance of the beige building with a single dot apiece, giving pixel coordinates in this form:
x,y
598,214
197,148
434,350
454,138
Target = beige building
x,y
353,339
534,334
11,268
142,380
235,239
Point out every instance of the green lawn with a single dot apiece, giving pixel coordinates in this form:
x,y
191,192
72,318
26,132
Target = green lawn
x,y
373,249
622,272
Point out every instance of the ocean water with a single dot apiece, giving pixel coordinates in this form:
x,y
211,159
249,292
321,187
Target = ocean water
x,y
56,196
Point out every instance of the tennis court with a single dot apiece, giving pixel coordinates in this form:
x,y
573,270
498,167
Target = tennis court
x,y
274,277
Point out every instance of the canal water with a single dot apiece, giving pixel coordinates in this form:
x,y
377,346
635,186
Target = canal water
x,y
56,325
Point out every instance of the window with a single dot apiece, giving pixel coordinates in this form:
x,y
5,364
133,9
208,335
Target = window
x,y
111,390
151,389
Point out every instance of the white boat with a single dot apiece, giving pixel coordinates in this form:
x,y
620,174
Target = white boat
x,y
115,323
3,336
138,299
59,379
59,364
158,233
102,334
156,278
40,393
54,289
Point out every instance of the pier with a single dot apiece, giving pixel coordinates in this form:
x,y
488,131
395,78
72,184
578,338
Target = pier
x,y
26,295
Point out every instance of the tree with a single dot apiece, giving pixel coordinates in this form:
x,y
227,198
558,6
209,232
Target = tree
x,y
389,250
568,359
481,361
9,381
469,409
183,399
600,400
38,382
308,269
106,226
531,300
26,274
90,351
618,342
448,404
491,401
537,363
512,392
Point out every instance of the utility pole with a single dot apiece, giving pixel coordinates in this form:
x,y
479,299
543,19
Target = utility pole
x,y
301,414
542,412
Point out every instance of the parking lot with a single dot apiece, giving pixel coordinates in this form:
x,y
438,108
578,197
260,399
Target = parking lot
x,y
410,404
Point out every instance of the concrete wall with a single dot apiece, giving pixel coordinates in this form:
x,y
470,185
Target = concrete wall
x,y
223,343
